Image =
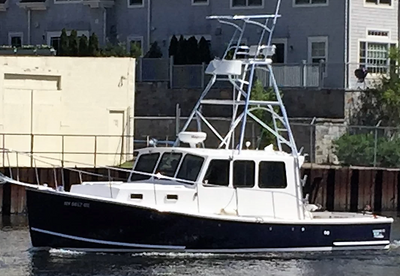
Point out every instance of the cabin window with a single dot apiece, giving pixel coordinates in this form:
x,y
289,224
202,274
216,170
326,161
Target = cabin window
x,y
243,174
217,173
190,167
168,164
272,175
145,164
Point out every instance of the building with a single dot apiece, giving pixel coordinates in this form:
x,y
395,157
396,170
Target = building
x,y
344,35
66,111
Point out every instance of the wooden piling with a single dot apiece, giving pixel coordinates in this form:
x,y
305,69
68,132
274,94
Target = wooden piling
x,y
335,188
389,190
342,189
366,188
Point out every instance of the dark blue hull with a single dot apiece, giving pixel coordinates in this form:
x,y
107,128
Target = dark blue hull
x,y
63,221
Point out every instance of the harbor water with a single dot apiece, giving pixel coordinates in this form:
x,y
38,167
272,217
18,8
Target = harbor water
x,y
18,259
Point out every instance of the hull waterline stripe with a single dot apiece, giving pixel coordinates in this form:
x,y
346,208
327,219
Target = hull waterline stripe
x,y
361,243
150,246
228,251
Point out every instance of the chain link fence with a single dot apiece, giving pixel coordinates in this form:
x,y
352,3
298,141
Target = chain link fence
x,y
323,141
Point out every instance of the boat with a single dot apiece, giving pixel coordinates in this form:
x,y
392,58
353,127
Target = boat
x,y
232,198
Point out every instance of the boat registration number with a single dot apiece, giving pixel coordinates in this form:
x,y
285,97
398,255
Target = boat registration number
x,y
76,204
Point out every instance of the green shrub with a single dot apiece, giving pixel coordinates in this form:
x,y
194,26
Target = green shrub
x,y
359,150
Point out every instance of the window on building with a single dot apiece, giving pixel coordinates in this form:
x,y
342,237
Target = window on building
x,y
374,56
15,39
168,164
318,52
379,2
199,2
144,164
272,175
310,2
246,3
318,49
190,168
378,33
280,50
55,42
217,173
243,174
135,3
279,56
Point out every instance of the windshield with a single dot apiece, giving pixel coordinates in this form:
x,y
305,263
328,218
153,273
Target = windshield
x,y
190,167
146,164
168,164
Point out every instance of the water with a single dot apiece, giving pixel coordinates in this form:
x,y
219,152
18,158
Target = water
x,y
16,259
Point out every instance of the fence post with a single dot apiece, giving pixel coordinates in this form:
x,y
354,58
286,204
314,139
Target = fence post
x,y
322,68
95,151
203,68
171,69
141,69
304,71
376,141
312,146
32,141
62,150
177,119
4,148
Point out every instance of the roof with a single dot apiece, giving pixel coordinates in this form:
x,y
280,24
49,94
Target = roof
x,y
221,153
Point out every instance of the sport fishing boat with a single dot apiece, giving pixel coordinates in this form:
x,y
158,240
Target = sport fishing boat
x,y
191,198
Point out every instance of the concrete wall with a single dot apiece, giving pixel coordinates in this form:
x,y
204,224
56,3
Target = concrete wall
x,y
67,96
156,110
156,99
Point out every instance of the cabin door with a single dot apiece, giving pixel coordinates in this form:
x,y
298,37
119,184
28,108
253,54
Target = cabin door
x,y
215,197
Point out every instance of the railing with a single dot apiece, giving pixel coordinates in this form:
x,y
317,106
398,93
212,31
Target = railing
x,y
289,75
314,137
65,150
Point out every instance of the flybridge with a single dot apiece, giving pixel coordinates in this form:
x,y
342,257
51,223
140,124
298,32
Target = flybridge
x,y
238,66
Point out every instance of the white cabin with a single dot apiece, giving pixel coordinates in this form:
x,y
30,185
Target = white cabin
x,y
253,183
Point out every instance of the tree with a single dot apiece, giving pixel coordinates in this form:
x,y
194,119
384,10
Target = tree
x,y
173,47
355,149
204,51
114,50
135,49
154,51
359,150
73,43
181,54
192,51
381,103
260,94
93,45
83,46
64,49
